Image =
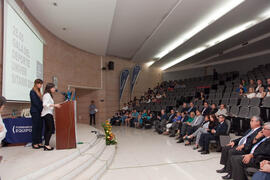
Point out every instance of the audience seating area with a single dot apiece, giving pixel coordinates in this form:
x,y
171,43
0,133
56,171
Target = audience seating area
x,y
229,97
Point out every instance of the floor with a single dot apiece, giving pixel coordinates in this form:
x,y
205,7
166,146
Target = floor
x,y
145,155
19,161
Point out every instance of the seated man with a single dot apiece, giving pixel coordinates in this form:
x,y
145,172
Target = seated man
x,y
191,108
206,109
174,122
184,107
205,139
239,146
189,127
177,128
260,150
164,122
264,173
159,119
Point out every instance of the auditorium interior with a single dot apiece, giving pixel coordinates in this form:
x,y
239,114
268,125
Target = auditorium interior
x,y
135,89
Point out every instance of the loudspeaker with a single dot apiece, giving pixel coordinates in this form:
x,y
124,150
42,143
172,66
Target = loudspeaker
x,y
111,65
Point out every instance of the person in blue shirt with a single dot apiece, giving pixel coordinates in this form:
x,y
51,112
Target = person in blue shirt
x,y
241,87
92,113
135,116
143,117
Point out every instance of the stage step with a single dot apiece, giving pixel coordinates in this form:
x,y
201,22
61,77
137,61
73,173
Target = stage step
x,y
73,168
96,170
94,146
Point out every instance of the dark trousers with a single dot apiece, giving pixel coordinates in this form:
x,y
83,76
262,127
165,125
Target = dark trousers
x,y
187,129
226,155
175,127
93,119
49,128
205,140
239,167
37,125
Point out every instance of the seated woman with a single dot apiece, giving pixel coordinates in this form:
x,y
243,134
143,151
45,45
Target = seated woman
x,y
222,110
198,132
128,118
268,91
158,96
251,93
261,93
241,93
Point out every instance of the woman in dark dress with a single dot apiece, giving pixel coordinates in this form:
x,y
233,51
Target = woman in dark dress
x,y
35,110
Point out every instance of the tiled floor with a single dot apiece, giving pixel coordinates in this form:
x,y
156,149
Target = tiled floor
x,y
145,155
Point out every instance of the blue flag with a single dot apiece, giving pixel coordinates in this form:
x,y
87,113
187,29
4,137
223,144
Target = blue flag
x,y
123,79
135,74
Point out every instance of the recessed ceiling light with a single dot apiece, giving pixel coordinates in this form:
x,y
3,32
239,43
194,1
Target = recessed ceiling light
x,y
203,23
54,3
212,42
148,64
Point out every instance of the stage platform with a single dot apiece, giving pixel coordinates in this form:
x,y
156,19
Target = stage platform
x,y
88,161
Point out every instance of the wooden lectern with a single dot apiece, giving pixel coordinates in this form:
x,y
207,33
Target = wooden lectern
x,y
65,126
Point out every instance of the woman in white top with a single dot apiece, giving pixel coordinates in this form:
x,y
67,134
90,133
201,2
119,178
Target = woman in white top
x,y
268,91
261,93
47,114
251,93
3,129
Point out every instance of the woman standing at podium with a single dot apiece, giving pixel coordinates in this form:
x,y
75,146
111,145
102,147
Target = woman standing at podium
x,y
47,114
35,110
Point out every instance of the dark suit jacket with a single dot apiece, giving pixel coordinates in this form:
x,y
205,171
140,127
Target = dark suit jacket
x,y
206,111
193,109
170,118
36,103
184,109
213,111
248,145
163,117
263,149
221,129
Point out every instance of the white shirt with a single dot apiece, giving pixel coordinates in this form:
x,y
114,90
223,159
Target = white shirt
x,y
251,95
47,102
4,131
259,95
125,108
268,94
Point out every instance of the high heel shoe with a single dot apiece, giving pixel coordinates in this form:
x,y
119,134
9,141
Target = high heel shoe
x,y
41,146
48,149
35,146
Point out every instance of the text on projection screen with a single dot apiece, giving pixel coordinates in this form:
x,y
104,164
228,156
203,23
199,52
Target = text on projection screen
x,y
22,57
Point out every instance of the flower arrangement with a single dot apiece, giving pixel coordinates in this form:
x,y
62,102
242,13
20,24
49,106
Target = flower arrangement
x,y
110,137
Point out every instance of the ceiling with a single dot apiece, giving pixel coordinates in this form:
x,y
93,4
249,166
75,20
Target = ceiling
x,y
140,30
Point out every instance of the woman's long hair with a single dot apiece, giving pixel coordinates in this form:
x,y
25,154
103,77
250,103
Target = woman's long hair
x,y
48,88
36,89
